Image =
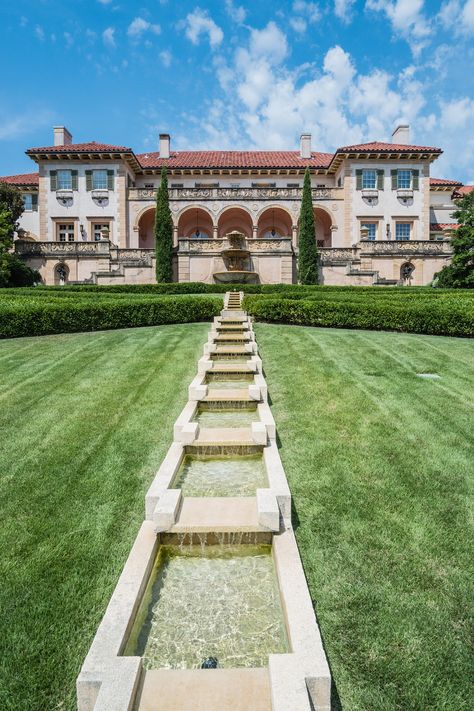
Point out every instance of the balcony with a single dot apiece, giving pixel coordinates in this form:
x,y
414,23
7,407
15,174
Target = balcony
x,y
233,194
62,249
277,245
407,248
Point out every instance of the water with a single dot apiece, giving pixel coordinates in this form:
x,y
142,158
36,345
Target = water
x,y
221,476
226,418
234,383
224,603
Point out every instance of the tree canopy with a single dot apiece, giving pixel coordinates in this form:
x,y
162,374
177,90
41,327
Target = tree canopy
x,y
460,272
163,232
308,251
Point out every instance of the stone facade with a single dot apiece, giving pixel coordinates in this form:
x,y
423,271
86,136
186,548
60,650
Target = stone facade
x,y
379,215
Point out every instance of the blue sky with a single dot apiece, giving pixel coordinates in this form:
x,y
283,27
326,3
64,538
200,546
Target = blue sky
x,y
230,74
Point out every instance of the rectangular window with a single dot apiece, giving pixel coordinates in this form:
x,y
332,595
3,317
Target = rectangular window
x,y
64,180
369,179
99,180
402,231
28,201
403,179
97,228
372,227
66,231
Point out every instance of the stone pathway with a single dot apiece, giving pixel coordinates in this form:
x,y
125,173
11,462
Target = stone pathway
x,y
229,384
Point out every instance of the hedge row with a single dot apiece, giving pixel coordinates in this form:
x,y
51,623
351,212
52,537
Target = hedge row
x,y
31,318
429,318
200,288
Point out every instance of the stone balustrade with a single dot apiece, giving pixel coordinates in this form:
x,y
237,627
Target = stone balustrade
x,y
244,193
63,249
409,248
209,246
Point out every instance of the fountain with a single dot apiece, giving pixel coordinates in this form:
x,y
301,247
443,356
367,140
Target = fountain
x,y
240,625
237,262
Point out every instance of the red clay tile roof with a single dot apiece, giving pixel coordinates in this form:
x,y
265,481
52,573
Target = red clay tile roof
x,y
22,179
378,147
464,190
443,181
90,147
234,159
441,226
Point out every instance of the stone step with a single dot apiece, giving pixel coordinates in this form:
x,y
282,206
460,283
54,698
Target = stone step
x,y
232,350
223,367
227,395
217,514
205,690
219,436
231,338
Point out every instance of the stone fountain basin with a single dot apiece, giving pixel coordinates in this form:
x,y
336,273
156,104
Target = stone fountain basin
x,y
204,601
110,679
236,277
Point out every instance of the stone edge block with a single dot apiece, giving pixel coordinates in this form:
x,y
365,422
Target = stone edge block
x,y
166,510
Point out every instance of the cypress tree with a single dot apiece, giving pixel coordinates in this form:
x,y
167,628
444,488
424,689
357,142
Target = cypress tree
x,y
460,273
163,232
308,251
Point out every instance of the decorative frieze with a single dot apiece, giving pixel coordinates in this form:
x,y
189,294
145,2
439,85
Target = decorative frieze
x,y
395,248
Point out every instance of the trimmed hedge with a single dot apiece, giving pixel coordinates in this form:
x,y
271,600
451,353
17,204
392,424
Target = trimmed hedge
x,y
200,288
429,318
38,318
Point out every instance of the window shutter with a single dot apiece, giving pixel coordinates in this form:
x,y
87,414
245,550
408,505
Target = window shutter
x,y
394,179
34,201
110,179
88,179
415,179
53,177
358,180
74,179
380,177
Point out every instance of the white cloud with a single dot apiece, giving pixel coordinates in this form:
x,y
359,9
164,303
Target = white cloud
x,y
69,39
39,32
105,2
200,23
458,17
108,37
407,20
298,24
236,13
138,26
166,58
34,119
309,10
343,9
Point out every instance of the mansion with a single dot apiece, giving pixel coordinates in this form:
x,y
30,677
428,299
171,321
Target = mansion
x,y
380,216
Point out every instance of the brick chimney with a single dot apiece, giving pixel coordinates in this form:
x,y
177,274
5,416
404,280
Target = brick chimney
x,y
62,137
164,145
401,135
305,145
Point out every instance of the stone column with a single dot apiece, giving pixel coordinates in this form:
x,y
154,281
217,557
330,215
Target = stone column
x,y
175,236
294,236
214,232
121,190
254,231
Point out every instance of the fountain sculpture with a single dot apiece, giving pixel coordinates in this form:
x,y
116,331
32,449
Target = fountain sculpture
x,y
237,262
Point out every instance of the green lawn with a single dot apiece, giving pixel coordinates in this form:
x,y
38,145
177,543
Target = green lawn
x,y
85,420
378,461
380,464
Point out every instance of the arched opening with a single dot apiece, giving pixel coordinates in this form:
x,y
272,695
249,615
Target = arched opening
x,y
406,272
273,223
61,274
322,227
195,223
146,230
235,219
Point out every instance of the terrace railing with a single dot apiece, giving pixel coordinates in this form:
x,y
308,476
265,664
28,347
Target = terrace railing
x,y
243,193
